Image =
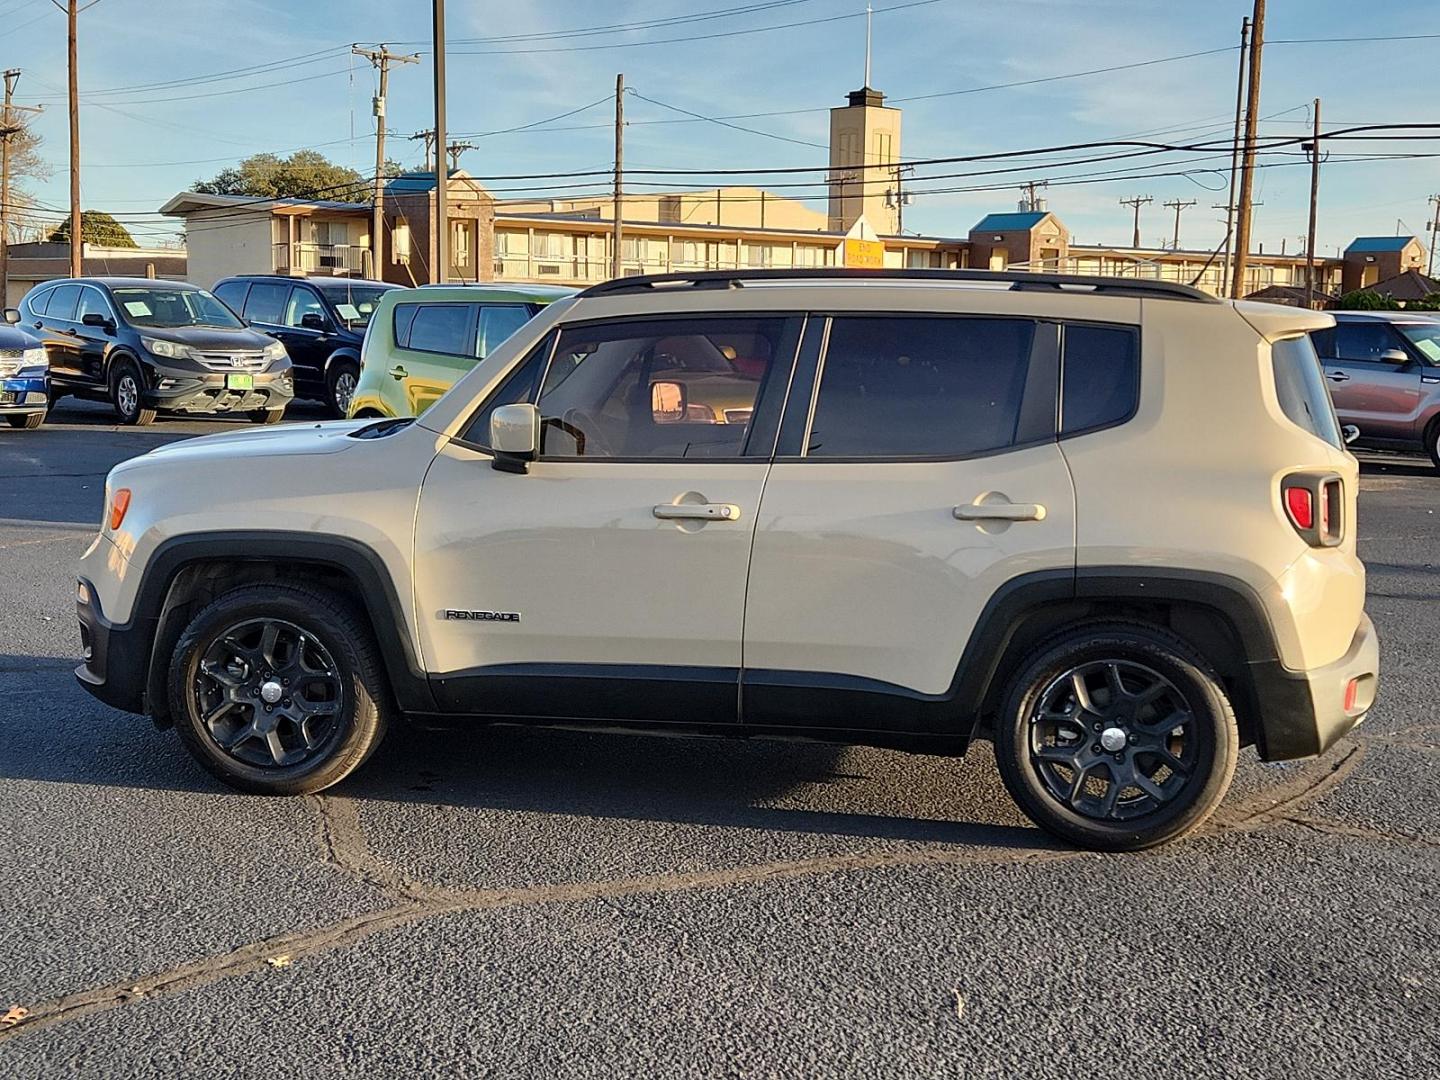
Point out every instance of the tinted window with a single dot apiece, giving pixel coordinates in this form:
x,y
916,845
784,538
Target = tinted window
x,y
233,294
1300,386
656,389
266,302
303,302
1365,340
38,300
162,305
1101,376
62,302
498,322
93,302
520,385
1324,342
438,328
920,387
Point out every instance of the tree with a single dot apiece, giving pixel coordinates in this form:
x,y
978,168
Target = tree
x,y
1430,302
25,164
305,174
96,227
1366,300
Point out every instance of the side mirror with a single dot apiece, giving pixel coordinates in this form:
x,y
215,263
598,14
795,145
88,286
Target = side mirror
x,y
668,402
1394,356
1349,433
313,320
94,318
12,316
515,437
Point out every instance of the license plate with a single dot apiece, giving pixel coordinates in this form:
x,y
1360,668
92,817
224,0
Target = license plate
x,y
239,382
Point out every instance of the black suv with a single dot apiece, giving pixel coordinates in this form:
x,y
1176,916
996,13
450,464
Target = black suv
x,y
146,345
321,321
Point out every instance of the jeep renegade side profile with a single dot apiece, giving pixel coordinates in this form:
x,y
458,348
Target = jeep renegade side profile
x,y
899,508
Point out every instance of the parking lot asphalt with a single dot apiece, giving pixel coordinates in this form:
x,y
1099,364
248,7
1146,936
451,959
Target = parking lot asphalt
x,y
515,903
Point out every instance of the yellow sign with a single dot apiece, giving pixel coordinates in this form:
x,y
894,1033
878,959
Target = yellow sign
x,y
866,253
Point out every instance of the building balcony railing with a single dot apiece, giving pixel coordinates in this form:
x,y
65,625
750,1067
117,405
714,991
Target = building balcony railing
x,y
333,259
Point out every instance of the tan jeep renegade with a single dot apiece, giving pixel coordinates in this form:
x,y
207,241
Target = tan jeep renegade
x,y
1109,524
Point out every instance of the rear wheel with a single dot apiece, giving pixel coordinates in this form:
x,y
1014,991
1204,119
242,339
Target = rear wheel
x,y
266,416
30,421
126,385
340,383
1117,737
278,689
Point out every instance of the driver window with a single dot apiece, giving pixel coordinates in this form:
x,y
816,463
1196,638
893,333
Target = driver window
x,y
1366,341
656,389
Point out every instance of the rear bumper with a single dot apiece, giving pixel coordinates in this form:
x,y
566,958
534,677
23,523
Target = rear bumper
x,y
28,395
190,393
115,660
1304,713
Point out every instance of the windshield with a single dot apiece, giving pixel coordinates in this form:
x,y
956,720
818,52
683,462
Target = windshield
x,y
355,303
159,306
1425,337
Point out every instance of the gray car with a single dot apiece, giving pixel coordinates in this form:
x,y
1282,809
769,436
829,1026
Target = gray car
x,y
1383,369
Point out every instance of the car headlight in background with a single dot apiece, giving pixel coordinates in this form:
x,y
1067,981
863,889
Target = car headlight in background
x,y
172,350
34,361
275,350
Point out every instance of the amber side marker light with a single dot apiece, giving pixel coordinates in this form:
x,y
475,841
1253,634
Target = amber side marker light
x,y
118,505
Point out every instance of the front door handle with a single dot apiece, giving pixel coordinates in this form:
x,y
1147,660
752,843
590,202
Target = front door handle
x,y
697,512
398,372
1337,376
1000,511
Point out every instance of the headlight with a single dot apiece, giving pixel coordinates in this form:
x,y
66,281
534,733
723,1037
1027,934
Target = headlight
x,y
275,350
34,362
169,349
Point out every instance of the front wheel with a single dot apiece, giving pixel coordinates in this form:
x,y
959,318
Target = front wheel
x,y
1432,443
279,689
1116,737
126,385
340,383
30,421
266,416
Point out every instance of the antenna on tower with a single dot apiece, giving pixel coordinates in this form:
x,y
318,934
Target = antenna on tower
x,y
869,11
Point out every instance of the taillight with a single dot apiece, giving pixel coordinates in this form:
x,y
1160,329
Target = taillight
x,y
1314,503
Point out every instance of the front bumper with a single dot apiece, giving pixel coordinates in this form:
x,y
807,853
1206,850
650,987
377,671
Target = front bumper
x,y
189,392
19,396
1305,713
115,660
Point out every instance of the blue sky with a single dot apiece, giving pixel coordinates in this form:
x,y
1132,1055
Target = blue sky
x,y
141,146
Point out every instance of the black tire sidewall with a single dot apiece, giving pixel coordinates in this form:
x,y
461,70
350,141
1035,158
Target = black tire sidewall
x,y
123,366
337,629
1213,725
332,376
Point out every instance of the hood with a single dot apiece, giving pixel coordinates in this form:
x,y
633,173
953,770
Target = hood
x,y
209,338
287,439
12,337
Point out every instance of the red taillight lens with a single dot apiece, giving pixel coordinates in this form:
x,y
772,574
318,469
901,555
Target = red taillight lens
x,y
1300,504
1352,691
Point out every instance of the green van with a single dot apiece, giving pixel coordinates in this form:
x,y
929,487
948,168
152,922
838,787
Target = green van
x,y
420,341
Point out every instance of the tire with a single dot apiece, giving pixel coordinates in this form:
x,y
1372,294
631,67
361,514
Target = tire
x,y
1053,762
1432,443
340,382
266,416
338,677
126,385
29,421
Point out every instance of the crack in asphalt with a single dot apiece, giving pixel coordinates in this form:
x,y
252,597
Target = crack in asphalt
x,y
344,847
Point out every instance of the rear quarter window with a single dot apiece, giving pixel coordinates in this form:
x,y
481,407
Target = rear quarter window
x,y
1300,387
1100,380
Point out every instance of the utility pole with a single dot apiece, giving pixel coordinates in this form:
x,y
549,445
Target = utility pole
x,y
455,149
382,58
1137,201
897,198
8,129
1235,156
76,249
1314,148
1247,169
429,136
1434,237
1177,206
1031,201
442,182
619,175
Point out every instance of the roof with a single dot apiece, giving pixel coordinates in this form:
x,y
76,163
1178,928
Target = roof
x,y
1380,243
519,292
421,182
1409,285
191,202
1401,317
318,280
1002,222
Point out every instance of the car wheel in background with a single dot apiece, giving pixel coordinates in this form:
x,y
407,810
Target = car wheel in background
x,y
1116,737
266,416
279,689
126,385
340,383
1432,442
30,421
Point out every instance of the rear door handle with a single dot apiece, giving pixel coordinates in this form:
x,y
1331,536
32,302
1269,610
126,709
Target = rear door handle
x,y
697,512
1337,376
1000,511
398,372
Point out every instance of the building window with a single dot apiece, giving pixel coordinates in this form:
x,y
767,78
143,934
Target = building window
x,y
883,143
460,243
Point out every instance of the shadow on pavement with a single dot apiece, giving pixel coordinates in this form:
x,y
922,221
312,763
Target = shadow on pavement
x,y
712,782
1376,464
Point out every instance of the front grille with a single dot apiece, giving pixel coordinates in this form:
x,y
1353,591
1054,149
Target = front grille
x,y
239,361
10,354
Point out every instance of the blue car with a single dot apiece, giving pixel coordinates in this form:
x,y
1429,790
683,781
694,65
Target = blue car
x,y
24,376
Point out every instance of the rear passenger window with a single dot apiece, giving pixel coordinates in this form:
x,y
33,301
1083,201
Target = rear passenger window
x,y
1101,377
437,328
498,322
62,303
896,387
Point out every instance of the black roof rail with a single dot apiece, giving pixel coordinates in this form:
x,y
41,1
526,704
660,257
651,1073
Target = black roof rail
x,y
1019,280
